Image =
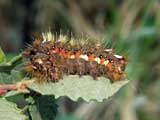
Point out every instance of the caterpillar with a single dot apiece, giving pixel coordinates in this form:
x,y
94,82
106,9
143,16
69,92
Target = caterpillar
x,y
50,58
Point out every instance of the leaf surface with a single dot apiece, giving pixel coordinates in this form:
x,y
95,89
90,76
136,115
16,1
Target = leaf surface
x,y
2,56
76,87
9,111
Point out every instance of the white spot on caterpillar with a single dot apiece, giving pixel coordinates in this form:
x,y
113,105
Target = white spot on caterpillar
x,y
85,57
108,50
39,61
106,62
98,60
119,68
53,51
72,56
34,67
118,56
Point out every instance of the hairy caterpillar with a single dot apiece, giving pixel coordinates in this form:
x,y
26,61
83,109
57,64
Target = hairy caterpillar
x,y
49,58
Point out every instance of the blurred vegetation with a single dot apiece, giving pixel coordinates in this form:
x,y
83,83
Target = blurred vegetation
x,y
131,27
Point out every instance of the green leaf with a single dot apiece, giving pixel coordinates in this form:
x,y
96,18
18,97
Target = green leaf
x,y
2,56
9,65
13,77
42,107
4,78
34,112
9,111
47,107
76,87
16,75
16,92
15,59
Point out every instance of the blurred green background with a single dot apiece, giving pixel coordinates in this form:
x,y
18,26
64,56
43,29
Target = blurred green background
x,y
131,27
